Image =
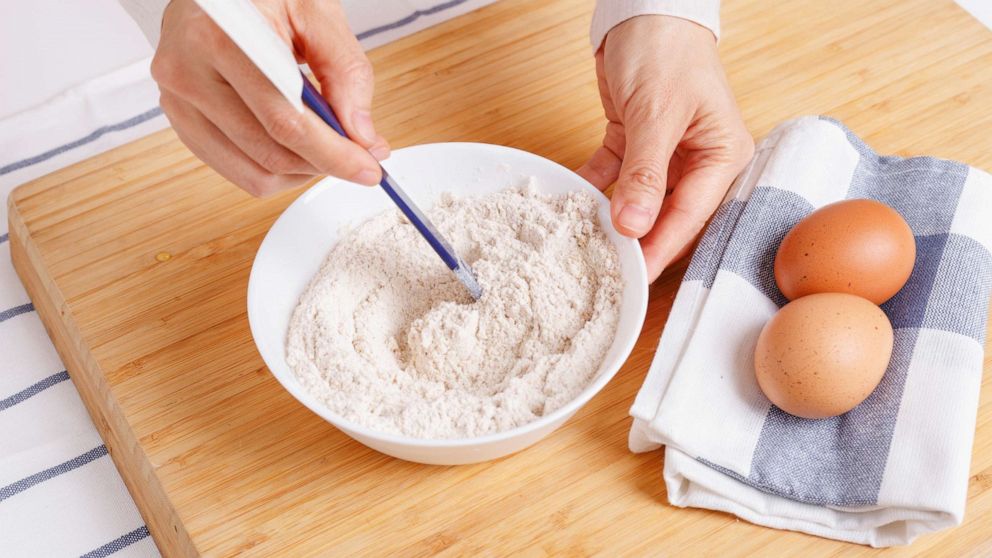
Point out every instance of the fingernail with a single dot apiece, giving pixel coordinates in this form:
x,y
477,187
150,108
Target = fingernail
x,y
362,120
635,218
380,152
368,177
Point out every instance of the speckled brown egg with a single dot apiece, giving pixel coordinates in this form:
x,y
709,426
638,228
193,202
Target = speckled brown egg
x,y
861,247
823,354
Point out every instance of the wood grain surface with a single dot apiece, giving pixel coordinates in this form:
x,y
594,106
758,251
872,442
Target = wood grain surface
x,y
138,260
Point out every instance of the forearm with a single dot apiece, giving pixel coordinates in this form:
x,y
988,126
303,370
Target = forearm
x,y
610,13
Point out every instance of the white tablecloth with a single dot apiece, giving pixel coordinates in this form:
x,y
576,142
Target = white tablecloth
x,y
60,494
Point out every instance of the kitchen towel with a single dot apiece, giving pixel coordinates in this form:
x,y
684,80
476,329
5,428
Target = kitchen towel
x,y
894,467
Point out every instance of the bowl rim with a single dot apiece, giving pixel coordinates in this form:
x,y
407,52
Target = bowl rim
x,y
349,427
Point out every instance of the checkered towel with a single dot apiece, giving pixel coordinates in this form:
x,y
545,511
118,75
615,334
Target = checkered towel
x,y
897,465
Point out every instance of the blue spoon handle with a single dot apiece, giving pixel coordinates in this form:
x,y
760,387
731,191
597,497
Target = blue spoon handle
x,y
313,99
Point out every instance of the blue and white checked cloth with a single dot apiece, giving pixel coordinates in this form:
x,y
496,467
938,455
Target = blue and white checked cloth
x,y
60,494
897,465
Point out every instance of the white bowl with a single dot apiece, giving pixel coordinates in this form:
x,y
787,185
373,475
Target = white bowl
x,y
302,236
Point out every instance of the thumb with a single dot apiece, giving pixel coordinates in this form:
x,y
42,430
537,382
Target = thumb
x,y
339,64
652,135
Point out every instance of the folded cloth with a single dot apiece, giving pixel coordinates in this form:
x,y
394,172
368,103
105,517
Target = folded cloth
x,y
895,466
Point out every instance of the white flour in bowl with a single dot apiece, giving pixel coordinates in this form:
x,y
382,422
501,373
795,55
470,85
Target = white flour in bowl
x,y
386,336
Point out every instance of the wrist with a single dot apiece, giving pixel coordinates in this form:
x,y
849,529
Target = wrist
x,y
611,13
662,29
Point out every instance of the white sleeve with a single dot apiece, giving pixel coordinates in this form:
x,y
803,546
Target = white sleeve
x,y
610,13
148,15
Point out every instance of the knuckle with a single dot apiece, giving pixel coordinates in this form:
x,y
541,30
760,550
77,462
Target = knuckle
x,y
614,139
167,103
275,161
164,69
285,126
646,177
359,72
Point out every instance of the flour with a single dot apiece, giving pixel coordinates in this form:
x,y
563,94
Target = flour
x,y
388,338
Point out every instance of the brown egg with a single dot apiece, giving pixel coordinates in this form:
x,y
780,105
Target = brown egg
x,y
823,354
861,247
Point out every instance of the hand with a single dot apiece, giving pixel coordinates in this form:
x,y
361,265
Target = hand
x,y
675,139
232,118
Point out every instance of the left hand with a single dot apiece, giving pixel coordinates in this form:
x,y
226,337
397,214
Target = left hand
x,y
675,139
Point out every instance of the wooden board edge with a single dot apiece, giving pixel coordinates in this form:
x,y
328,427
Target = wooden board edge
x,y
162,520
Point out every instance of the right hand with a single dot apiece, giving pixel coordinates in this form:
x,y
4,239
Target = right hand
x,y
232,118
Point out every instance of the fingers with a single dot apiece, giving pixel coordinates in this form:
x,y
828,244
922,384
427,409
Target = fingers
x,y
341,67
208,143
703,185
224,108
303,133
603,168
196,63
653,133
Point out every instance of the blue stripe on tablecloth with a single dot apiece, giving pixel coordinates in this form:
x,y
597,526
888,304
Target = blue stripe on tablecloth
x,y
16,311
3,238
52,472
118,544
417,14
33,390
92,136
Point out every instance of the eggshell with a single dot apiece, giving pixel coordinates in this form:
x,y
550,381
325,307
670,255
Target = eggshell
x,y
823,354
861,247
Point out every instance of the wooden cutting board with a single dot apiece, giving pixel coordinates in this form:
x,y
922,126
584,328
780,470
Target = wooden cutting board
x,y
138,259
